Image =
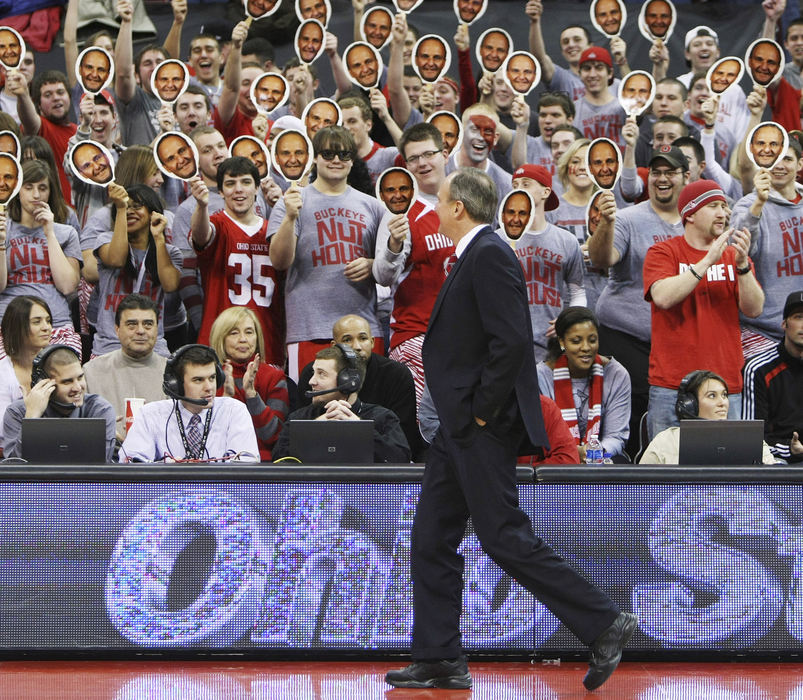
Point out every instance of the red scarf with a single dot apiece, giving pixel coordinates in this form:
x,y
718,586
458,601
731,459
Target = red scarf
x,y
564,398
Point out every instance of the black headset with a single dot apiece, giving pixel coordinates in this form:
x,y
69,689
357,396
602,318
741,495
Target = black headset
x,y
38,372
173,382
686,405
349,379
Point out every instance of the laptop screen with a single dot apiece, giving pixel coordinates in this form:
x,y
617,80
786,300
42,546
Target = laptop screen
x,y
731,442
332,441
64,440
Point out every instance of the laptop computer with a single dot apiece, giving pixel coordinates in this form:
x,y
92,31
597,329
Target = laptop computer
x,y
332,441
733,442
64,440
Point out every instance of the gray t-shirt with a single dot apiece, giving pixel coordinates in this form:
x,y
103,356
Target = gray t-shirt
x,y
138,118
621,305
596,121
29,267
332,230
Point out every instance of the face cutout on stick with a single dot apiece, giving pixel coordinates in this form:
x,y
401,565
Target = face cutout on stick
x,y
657,20
636,92
291,154
314,9
170,80
310,41
593,213
10,178
363,64
724,73
521,72
492,48
269,91
406,6
765,61
375,27
257,9
396,189
516,213
94,69
608,16
92,163
469,11
604,163
320,113
431,58
766,144
176,155
9,143
451,129
253,149
12,48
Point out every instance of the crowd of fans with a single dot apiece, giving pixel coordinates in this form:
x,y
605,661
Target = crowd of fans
x,y
674,245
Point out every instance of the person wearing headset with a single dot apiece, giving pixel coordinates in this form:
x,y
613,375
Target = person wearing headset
x,y
337,375
193,424
702,394
58,390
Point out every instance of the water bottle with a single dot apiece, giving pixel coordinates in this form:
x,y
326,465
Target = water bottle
x,y
593,451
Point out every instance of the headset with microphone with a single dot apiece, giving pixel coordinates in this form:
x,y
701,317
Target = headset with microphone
x,y
349,379
173,382
686,404
38,372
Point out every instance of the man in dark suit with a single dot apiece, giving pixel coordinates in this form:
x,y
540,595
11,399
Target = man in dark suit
x,y
480,369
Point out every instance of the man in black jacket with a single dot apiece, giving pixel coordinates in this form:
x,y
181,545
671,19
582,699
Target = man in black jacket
x,y
342,403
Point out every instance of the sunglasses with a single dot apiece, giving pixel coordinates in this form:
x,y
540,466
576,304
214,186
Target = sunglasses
x,y
328,154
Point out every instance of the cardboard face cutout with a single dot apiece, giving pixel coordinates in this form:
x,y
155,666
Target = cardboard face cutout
x,y
320,113
396,189
314,9
92,163
493,48
604,163
375,27
766,144
169,80
176,155
469,11
258,9
291,154
765,61
269,91
10,178
657,20
310,41
406,6
592,213
724,73
451,129
94,69
9,143
516,214
608,16
363,64
431,58
253,149
521,72
12,48
636,92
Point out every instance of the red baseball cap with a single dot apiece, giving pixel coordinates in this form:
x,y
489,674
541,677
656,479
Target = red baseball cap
x,y
543,177
597,53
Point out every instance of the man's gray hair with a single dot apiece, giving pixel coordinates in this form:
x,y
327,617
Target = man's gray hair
x,y
478,193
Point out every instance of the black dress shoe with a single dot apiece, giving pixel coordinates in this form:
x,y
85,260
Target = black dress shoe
x,y
451,673
606,651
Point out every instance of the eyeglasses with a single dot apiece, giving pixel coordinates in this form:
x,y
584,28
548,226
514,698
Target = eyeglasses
x,y
426,155
328,154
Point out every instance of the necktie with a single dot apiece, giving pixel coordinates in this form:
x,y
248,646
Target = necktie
x,y
194,436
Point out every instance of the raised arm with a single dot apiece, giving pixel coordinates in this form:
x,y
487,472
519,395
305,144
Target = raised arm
x,y
200,227
400,106
232,74
601,250
71,40
172,42
659,57
169,274
125,84
283,242
115,253
534,10
341,78
30,121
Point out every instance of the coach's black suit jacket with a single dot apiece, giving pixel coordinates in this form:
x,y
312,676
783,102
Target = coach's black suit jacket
x,y
478,351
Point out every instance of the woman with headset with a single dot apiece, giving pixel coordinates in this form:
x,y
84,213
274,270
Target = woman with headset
x,y
236,337
702,394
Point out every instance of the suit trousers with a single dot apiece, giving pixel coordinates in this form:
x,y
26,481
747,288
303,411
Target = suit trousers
x,y
477,477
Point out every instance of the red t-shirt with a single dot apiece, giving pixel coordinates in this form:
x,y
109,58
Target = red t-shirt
x,y
236,271
702,331
58,135
423,276
240,125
